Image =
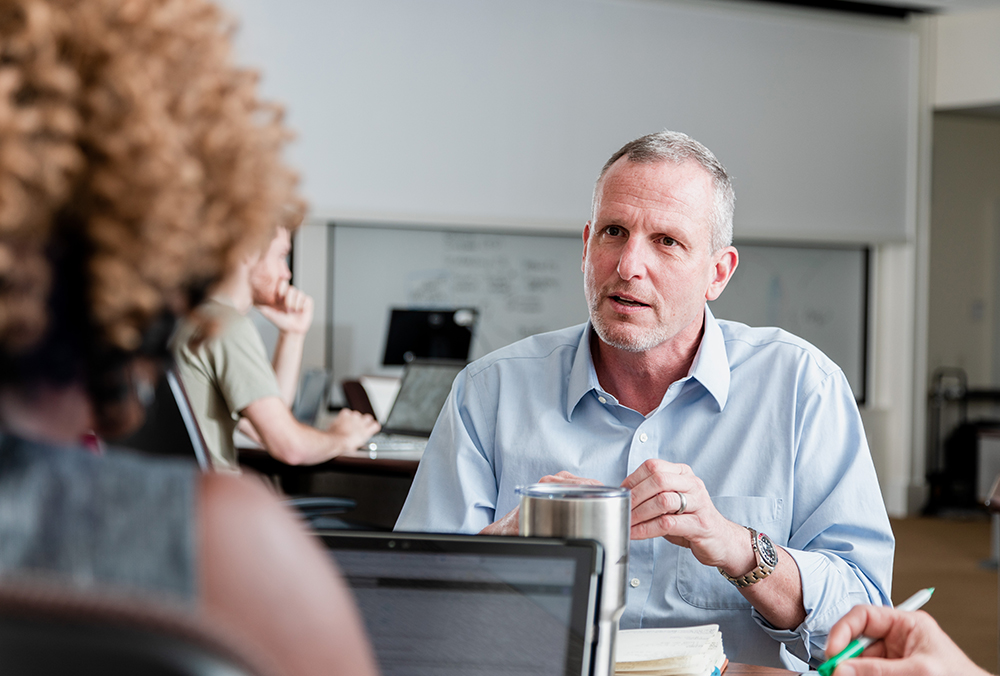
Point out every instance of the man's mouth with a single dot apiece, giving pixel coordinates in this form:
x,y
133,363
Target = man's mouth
x,y
629,302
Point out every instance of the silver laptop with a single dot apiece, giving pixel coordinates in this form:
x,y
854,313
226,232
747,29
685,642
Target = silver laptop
x,y
472,605
310,396
422,393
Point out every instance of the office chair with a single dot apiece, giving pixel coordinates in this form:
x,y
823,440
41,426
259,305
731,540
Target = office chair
x,y
46,628
171,428
356,397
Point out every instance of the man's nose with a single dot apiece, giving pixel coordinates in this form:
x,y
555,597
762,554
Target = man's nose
x,y
632,260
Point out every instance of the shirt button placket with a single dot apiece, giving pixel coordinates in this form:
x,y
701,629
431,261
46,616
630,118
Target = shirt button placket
x,y
641,449
640,568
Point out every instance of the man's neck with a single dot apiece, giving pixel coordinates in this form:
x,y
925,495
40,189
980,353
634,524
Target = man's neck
x,y
639,380
236,289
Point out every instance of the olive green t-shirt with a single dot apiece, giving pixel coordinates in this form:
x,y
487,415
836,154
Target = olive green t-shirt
x,y
223,375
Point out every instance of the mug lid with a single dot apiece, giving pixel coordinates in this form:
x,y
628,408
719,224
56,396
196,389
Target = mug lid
x,y
570,491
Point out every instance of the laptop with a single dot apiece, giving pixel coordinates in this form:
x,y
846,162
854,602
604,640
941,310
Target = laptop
x,y
422,392
310,396
444,605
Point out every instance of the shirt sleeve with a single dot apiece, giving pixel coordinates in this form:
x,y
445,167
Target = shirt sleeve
x,y
840,536
240,366
455,488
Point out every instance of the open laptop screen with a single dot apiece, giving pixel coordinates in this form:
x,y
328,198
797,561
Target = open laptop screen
x,y
444,605
422,393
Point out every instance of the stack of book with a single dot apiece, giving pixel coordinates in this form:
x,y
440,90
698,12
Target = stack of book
x,y
683,651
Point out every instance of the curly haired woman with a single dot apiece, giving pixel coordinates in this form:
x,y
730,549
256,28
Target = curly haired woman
x,y
137,165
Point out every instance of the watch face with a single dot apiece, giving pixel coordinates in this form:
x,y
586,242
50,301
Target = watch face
x,y
766,548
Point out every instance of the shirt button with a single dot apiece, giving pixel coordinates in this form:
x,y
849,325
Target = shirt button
x,y
602,400
643,437
634,582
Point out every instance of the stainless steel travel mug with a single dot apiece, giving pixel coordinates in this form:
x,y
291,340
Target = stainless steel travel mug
x,y
599,513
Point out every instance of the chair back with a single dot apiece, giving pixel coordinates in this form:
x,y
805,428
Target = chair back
x,y
170,427
47,628
356,397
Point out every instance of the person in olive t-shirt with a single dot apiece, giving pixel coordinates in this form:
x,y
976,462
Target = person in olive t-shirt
x,y
231,383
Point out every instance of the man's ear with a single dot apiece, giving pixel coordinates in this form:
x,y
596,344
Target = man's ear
x,y
251,258
586,238
726,261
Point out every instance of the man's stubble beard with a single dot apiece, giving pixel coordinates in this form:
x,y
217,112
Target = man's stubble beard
x,y
624,340
262,290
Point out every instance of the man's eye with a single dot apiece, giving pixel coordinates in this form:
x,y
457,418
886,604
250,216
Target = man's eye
x,y
614,231
668,241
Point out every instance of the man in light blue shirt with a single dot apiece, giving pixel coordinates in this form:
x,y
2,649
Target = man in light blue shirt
x,y
722,432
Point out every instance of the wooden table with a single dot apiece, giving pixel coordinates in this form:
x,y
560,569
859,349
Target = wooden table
x,y
379,486
357,461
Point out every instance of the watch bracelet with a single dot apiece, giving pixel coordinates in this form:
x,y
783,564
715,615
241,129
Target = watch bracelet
x,y
755,575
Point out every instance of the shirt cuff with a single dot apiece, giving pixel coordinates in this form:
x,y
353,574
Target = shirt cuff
x,y
794,640
826,597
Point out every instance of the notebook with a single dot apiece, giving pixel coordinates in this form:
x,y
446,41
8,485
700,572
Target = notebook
x,y
422,392
670,651
443,605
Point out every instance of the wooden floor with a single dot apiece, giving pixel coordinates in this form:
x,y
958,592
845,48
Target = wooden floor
x,y
948,554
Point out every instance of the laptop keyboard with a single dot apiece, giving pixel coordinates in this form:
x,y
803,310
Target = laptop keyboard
x,y
394,442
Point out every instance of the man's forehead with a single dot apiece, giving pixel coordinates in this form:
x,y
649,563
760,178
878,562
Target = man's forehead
x,y
657,184
282,239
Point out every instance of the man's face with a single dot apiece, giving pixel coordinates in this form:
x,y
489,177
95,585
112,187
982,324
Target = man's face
x,y
647,259
270,270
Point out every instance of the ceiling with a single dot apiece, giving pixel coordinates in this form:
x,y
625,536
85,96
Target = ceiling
x,y
896,8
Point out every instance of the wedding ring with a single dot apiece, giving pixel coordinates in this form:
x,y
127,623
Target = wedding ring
x,y
684,502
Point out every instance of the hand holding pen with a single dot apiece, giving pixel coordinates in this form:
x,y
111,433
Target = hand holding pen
x,y
902,643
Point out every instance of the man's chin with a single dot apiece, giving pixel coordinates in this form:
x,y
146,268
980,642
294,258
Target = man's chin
x,y
264,300
628,338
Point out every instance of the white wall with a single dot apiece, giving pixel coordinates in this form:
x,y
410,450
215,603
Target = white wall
x,y
967,59
888,415
309,271
501,113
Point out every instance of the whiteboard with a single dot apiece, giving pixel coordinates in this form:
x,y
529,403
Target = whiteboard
x,y
521,284
818,293
501,112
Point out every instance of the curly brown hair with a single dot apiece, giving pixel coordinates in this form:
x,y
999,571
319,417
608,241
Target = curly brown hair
x,y
131,150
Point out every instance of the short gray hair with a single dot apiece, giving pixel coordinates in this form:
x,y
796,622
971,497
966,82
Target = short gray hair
x,y
673,146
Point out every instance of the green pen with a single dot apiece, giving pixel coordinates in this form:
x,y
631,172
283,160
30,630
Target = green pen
x,y
858,645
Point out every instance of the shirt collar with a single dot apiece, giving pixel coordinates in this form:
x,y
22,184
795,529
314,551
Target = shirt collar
x,y
582,374
222,299
710,366
711,363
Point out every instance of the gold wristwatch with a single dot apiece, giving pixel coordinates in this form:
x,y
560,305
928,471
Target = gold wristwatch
x,y
767,559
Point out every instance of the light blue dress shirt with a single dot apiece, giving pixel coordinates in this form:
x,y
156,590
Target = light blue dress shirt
x,y
766,420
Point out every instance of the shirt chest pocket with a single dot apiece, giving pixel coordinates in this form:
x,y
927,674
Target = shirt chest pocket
x,y
702,586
